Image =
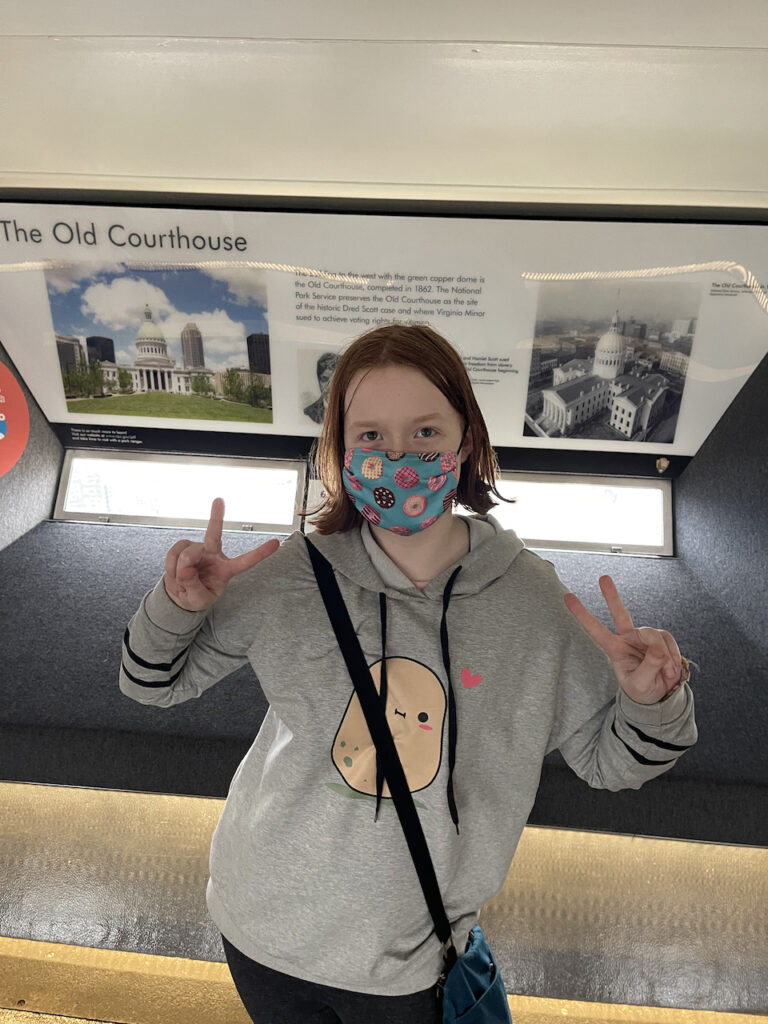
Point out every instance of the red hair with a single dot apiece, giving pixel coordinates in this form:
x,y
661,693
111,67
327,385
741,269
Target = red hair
x,y
420,348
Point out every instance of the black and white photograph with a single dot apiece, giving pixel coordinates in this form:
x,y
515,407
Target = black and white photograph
x,y
315,370
609,359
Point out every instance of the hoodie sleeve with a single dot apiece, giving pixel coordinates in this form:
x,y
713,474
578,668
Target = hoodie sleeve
x,y
625,744
171,655
608,739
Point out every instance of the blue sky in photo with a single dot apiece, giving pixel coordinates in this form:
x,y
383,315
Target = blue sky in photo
x,y
227,304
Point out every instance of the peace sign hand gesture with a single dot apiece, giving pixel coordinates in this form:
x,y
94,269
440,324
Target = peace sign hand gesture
x,y
646,661
197,574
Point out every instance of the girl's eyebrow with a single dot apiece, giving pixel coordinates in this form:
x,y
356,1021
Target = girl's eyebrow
x,y
430,416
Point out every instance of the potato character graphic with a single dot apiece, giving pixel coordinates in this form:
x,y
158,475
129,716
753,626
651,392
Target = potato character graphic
x,y
415,712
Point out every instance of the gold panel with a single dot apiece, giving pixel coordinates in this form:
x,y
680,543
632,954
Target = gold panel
x,y
130,988
107,985
639,920
103,903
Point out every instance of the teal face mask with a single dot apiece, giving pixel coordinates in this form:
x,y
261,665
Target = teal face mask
x,y
403,492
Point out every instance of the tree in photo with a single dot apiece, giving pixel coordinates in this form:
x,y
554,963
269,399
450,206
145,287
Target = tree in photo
x,y
201,384
94,377
84,381
233,386
257,395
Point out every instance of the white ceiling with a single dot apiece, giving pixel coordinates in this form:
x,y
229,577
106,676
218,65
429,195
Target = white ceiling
x,y
683,23
660,103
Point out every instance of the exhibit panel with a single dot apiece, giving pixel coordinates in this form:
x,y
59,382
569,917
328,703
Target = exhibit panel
x,y
578,336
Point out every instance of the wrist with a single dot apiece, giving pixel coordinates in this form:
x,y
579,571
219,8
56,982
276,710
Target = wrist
x,y
165,613
685,675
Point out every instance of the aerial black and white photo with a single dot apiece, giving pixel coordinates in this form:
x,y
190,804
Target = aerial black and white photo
x,y
610,358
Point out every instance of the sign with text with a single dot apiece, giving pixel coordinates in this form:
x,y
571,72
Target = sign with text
x,y
577,335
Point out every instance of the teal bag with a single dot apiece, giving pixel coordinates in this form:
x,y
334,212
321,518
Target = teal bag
x,y
472,990
470,987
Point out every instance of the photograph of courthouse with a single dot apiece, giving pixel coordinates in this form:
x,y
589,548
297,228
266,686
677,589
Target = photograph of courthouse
x,y
624,384
154,369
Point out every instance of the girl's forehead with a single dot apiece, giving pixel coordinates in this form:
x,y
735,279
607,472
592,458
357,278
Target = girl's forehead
x,y
384,385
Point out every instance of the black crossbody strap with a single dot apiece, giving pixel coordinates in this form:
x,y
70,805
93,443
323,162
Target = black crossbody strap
x,y
383,741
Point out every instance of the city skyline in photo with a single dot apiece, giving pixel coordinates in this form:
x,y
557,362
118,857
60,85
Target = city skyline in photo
x,y
109,301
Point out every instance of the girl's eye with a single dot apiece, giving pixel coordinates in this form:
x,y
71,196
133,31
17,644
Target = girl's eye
x,y
426,432
369,435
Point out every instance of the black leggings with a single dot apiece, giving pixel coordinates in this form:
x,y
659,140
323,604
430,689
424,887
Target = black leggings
x,y
274,998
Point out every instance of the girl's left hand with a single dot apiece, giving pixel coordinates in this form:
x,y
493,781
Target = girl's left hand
x,y
646,661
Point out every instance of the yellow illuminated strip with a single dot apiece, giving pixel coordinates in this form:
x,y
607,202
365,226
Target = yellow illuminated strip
x,y
110,985
46,983
688,915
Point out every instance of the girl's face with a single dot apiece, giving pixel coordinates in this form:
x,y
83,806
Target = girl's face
x,y
395,408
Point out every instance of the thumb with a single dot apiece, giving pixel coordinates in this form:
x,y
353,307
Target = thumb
x,y
241,563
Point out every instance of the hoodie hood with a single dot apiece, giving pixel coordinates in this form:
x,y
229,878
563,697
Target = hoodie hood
x,y
356,555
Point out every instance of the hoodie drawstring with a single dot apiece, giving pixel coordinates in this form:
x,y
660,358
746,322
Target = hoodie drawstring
x,y
452,727
382,695
452,730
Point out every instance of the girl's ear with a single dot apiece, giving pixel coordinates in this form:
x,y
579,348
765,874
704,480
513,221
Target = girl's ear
x,y
467,447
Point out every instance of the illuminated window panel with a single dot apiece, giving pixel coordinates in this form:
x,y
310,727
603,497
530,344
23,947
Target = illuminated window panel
x,y
177,490
623,516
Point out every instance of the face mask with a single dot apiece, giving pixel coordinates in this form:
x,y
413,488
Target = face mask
x,y
402,492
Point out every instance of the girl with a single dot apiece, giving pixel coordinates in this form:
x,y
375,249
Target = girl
x,y
490,664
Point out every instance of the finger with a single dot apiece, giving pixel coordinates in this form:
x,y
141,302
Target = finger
x,y
622,620
172,558
656,659
212,541
247,561
188,561
672,647
599,633
648,675
673,666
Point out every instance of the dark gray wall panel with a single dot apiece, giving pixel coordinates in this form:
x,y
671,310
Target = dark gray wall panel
x,y
63,719
28,490
732,715
721,510
79,583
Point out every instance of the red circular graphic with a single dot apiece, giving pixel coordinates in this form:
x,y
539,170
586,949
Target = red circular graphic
x,y
14,420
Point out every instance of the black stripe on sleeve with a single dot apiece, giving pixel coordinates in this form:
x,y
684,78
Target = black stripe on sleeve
x,y
152,685
659,743
156,667
634,753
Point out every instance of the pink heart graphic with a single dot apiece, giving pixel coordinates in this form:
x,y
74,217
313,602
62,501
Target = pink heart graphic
x,y
468,680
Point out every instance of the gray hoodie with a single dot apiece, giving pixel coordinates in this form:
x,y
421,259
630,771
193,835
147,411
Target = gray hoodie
x,y
307,876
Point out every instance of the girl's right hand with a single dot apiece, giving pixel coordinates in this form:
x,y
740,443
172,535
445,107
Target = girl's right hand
x,y
196,575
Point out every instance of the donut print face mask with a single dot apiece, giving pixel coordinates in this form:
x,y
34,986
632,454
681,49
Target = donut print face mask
x,y
403,492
